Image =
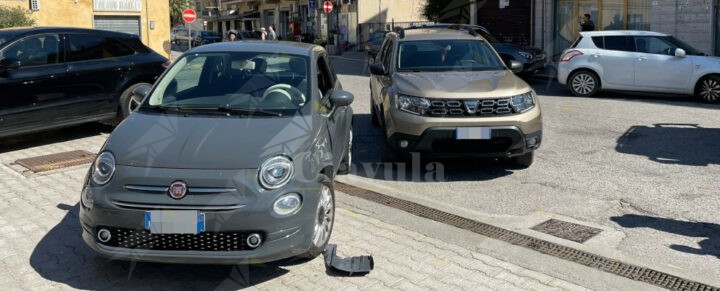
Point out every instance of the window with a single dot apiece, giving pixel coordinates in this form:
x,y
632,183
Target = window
x,y
85,47
599,41
654,45
388,53
619,43
325,81
36,50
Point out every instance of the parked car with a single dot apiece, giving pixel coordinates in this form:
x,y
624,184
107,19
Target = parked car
x,y
53,77
532,58
182,37
448,93
249,35
230,159
638,61
206,37
373,44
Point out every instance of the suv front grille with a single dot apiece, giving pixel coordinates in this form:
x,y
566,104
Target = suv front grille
x,y
205,241
470,108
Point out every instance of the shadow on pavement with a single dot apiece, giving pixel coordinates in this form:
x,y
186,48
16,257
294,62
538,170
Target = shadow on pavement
x,y
62,256
18,142
367,161
709,246
683,144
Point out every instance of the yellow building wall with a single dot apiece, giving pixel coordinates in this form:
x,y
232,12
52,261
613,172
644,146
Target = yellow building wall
x,y
385,11
80,13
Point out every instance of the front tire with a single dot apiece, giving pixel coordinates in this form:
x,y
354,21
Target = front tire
x,y
583,83
324,220
708,89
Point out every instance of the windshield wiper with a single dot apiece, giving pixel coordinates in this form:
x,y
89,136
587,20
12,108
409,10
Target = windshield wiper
x,y
228,109
160,108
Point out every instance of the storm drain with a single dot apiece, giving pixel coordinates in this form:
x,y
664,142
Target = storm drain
x,y
609,265
56,161
567,230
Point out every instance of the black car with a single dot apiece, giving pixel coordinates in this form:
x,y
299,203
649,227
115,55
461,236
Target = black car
x,y
532,58
206,37
53,77
373,44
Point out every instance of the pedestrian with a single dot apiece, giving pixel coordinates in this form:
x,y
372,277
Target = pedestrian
x,y
587,24
232,35
263,34
271,33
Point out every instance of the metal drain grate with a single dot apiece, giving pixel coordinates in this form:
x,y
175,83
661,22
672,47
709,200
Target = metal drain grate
x,y
56,161
629,271
567,230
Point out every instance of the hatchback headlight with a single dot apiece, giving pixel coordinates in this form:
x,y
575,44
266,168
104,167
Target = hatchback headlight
x,y
276,172
523,102
414,105
103,168
527,55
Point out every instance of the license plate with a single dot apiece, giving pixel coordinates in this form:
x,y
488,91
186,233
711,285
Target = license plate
x,y
473,133
175,221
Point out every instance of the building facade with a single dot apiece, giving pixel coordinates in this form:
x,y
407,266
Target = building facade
x,y
148,19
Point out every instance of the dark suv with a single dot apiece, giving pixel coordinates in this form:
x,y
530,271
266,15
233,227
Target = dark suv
x,y
206,37
54,77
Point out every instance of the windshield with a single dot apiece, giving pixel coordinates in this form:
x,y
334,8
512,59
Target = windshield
x,y
447,55
237,80
688,48
7,35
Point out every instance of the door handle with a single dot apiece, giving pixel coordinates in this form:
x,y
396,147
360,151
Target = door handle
x,y
596,55
642,58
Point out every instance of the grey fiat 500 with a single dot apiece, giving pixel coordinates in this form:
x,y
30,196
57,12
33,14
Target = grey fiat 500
x,y
230,159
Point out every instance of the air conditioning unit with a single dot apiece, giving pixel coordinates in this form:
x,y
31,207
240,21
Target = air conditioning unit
x,y
35,5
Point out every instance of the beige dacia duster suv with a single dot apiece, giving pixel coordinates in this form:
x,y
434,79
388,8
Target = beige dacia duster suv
x,y
447,92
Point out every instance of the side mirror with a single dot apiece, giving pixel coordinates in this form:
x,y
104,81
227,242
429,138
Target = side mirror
x,y
341,98
141,91
515,66
680,52
377,68
9,64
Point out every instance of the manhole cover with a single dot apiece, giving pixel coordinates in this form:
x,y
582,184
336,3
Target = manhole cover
x,y
56,161
567,230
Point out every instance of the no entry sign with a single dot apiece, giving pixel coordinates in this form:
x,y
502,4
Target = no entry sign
x,y
327,7
189,15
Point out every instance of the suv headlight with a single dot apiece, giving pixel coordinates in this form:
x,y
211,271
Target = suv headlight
x,y
527,55
414,105
103,168
523,102
276,172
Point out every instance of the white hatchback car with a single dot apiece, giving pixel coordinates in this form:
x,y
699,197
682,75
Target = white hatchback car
x,y
638,61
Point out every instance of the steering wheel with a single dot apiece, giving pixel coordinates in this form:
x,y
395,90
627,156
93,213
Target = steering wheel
x,y
294,94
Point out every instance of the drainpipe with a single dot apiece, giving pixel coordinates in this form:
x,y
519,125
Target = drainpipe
x,y
473,12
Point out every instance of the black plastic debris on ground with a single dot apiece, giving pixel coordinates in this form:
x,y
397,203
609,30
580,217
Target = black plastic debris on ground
x,y
353,266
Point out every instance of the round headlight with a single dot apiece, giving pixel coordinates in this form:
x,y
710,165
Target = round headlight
x,y
276,172
287,204
103,168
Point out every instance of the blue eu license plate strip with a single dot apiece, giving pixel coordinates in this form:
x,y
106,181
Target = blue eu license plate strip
x,y
175,221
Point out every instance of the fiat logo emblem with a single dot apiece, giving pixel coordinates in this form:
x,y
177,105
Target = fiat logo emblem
x,y
177,190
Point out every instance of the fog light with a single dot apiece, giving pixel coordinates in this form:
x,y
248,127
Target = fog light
x,y
287,204
403,143
532,142
254,240
104,235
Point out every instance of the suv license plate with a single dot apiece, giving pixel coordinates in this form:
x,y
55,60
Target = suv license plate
x,y
473,133
175,221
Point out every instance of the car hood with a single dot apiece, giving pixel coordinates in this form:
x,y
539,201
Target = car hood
x,y
201,142
460,84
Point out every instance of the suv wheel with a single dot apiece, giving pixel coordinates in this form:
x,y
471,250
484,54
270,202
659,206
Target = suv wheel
x,y
583,83
525,160
128,101
708,89
347,158
324,220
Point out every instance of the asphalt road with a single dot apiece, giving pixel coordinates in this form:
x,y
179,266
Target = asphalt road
x,y
643,168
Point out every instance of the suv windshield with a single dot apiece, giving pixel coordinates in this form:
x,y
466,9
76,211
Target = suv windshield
x,y
447,55
234,80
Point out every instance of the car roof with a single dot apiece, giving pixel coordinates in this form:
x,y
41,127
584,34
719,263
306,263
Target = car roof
x,y
621,32
436,34
58,29
294,48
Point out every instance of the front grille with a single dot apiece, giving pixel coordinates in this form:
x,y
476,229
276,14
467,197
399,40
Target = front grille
x,y
206,241
495,145
470,108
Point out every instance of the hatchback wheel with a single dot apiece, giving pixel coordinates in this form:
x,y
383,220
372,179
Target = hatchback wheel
x,y
129,102
324,220
584,83
708,89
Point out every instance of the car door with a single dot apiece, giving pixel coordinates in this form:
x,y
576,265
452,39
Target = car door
x,y
656,65
379,83
336,122
98,67
616,59
33,95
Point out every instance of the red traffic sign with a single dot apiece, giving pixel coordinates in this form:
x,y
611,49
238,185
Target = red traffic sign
x,y
327,7
189,15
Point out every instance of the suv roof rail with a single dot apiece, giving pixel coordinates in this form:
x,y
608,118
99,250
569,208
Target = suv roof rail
x,y
459,27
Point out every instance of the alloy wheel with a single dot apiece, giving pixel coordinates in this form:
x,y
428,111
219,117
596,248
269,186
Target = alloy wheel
x,y
324,222
583,83
134,102
710,90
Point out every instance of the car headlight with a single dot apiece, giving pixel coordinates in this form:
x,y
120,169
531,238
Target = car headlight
x,y
287,204
103,168
414,105
526,55
276,172
523,102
